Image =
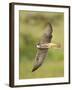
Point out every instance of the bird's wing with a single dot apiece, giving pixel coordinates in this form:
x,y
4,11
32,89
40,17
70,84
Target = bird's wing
x,y
40,56
41,53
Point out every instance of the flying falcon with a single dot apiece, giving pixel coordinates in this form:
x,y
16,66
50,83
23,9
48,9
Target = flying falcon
x,y
43,45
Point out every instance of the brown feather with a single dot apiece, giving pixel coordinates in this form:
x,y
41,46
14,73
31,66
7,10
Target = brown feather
x,y
41,53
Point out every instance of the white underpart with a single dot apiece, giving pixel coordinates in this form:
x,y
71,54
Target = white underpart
x,y
38,46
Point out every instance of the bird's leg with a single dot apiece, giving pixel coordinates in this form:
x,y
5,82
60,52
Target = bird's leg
x,y
48,45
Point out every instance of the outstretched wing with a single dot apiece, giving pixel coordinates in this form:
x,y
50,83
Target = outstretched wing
x,y
42,52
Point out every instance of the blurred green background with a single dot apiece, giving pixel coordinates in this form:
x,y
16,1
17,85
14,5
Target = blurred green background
x,y
31,25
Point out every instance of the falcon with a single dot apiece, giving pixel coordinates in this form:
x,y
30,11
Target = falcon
x,y
43,46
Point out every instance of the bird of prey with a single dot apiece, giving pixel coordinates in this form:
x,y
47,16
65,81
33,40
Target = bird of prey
x,y
43,45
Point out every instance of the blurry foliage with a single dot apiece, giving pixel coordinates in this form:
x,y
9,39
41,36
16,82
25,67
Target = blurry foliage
x,y
36,18
31,29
